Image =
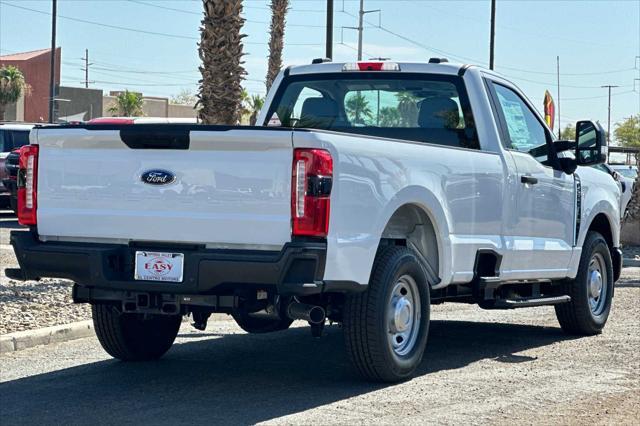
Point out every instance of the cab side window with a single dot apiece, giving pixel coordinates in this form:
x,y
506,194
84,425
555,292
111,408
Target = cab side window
x,y
524,132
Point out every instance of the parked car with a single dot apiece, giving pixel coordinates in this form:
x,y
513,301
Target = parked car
x,y
628,171
624,183
11,166
450,189
12,136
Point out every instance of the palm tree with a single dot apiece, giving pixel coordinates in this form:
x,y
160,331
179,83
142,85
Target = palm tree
x,y
408,108
220,51
255,105
12,86
389,117
357,107
276,41
127,104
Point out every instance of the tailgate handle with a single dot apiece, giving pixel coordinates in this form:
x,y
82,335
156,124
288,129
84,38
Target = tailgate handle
x,y
155,138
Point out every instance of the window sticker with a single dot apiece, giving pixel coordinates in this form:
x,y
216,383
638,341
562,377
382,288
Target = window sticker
x,y
274,121
516,122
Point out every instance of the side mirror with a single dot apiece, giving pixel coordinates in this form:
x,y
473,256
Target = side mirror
x,y
591,143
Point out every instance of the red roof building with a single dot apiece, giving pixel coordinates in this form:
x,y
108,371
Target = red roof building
x,y
35,66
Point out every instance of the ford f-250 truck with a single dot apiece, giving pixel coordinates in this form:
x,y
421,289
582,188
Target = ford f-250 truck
x,y
368,192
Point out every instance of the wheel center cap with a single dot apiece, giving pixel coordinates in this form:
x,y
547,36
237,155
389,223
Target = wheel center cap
x,y
402,315
595,284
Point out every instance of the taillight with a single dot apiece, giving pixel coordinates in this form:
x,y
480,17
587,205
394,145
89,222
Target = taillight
x,y
28,185
371,66
310,191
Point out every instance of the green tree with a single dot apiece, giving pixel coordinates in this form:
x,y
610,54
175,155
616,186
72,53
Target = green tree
x,y
127,104
568,133
220,51
358,109
408,108
276,39
184,97
390,117
627,132
12,86
255,104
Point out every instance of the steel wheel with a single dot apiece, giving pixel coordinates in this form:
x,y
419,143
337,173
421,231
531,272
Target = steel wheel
x,y
403,323
597,282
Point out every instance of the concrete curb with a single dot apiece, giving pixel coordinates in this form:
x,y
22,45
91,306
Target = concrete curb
x,y
43,336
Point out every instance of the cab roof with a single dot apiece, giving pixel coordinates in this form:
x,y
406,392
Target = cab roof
x,y
414,67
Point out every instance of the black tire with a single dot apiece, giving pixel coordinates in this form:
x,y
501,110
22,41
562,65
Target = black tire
x,y
132,337
260,325
365,320
577,316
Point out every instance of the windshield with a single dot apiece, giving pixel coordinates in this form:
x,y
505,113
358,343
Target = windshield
x,y
629,173
416,107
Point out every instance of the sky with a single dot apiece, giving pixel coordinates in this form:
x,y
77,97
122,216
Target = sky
x,y
150,46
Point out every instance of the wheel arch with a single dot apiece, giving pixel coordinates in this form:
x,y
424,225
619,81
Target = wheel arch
x,y
601,224
416,216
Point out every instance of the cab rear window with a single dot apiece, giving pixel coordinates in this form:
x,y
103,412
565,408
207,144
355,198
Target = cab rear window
x,y
415,107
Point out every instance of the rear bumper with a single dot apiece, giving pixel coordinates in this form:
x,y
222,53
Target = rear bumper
x,y
297,269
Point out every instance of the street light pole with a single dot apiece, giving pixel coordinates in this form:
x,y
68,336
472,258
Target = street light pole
x,y
52,71
609,86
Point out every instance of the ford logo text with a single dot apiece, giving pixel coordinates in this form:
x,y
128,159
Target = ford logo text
x,y
158,177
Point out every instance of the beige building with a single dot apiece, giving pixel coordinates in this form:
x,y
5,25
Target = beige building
x,y
154,107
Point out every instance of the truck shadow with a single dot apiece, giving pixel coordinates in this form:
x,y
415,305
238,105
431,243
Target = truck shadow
x,y
242,379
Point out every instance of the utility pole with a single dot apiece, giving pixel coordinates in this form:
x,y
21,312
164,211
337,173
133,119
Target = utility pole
x,y
609,86
360,20
86,68
52,71
329,40
360,26
558,75
492,42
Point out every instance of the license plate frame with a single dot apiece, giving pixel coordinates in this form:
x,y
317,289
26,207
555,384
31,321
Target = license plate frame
x,y
166,267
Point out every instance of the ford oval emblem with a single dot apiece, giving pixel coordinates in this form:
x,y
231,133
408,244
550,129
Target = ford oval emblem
x,y
158,177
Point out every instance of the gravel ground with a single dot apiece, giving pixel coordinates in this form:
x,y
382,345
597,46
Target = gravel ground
x,y
30,304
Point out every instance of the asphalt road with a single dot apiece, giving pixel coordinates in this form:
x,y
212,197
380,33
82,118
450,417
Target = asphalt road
x,y
480,367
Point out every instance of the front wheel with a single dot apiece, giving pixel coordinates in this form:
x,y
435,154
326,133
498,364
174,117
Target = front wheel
x,y
386,327
134,337
591,291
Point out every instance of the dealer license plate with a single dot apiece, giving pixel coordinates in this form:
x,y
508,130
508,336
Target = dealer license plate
x,y
156,266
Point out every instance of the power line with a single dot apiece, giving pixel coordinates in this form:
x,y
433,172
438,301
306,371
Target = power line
x,y
190,12
597,97
135,30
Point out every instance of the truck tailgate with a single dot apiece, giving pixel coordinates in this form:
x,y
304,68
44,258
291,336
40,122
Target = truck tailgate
x,y
232,186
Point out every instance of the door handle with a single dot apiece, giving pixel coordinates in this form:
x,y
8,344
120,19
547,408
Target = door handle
x,y
528,179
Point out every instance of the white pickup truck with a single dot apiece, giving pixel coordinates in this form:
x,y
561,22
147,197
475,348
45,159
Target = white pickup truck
x,y
368,192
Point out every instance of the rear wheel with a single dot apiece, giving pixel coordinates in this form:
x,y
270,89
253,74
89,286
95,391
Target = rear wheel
x,y
591,291
386,327
134,337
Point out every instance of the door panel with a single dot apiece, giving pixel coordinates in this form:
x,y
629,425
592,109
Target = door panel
x,y
542,233
539,230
